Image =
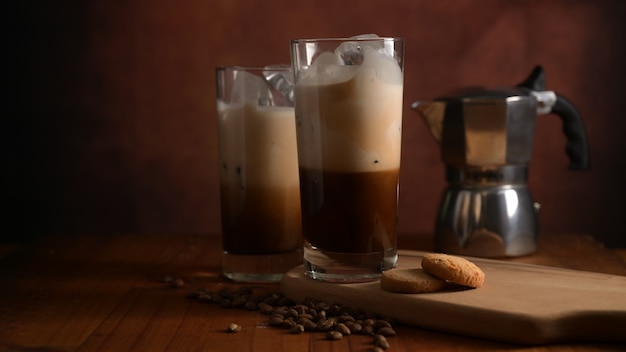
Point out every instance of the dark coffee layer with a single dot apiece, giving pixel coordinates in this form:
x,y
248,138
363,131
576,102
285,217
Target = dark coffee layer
x,y
349,212
261,220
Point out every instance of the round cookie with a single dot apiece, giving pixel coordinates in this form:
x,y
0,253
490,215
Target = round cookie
x,y
410,281
454,269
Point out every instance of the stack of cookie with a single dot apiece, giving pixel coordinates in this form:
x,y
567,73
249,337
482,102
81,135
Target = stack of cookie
x,y
437,269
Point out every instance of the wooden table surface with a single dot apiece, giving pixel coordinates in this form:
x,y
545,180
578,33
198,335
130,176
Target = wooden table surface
x,y
106,293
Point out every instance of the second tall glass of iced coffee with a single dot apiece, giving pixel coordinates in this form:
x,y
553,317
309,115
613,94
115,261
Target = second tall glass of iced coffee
x,y
348,102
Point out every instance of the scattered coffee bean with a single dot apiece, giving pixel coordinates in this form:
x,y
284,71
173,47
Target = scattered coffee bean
x,y
305,316
321,315
379,324
343,329
312,312
265,308
355,328
386,331
300,308
291,313
367,330
311,315
288,323
177,283
232,327
309,325
345,318
297,329
334,335
276,320
381,341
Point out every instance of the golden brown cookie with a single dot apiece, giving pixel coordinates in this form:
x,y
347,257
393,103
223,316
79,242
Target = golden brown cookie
x,y
410,281
454,269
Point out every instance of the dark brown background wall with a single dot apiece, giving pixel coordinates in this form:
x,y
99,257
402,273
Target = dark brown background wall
x,y
109,105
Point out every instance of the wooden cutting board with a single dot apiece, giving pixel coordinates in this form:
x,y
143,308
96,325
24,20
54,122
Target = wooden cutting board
x,y
519,303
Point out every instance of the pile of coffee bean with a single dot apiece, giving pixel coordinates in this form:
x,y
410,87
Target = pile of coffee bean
x,y
334,320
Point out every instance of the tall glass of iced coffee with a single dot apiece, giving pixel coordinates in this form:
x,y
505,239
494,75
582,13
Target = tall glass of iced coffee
x,y
348,100
258,167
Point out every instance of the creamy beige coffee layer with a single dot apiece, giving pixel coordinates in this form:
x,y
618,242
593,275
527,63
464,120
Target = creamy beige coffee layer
x,y
257,146
350,116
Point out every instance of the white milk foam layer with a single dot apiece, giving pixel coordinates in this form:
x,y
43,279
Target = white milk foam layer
x,y
350,116
257,145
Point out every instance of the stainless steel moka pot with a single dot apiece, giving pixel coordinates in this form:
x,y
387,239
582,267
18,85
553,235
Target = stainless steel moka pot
x,y
486,137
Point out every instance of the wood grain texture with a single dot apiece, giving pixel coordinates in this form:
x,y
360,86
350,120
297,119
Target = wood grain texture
x,y
105,293
519,303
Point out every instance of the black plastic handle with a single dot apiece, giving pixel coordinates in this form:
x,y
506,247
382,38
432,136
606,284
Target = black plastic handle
x,y
577,147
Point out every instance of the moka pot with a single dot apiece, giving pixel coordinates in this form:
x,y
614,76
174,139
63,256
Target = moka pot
x,y
486,137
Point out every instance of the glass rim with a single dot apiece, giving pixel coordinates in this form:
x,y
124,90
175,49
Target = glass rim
x,y
346,39
281,67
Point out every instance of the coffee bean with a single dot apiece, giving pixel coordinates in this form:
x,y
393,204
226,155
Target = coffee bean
x,y
321,315
367,330
343,329
379,324
334,335
309,325
326,325
386,331
355,328
300,308
312,312
381,341
265,308
280,311
288,323
271,299
345,318
335,320
322,306
297,329
276,320
291,313
232,327
305,316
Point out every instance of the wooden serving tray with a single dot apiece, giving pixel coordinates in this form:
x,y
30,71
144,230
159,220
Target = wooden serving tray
x,y
519,303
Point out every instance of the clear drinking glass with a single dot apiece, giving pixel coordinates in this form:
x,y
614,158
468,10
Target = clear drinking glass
x,y
348,100
258,166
